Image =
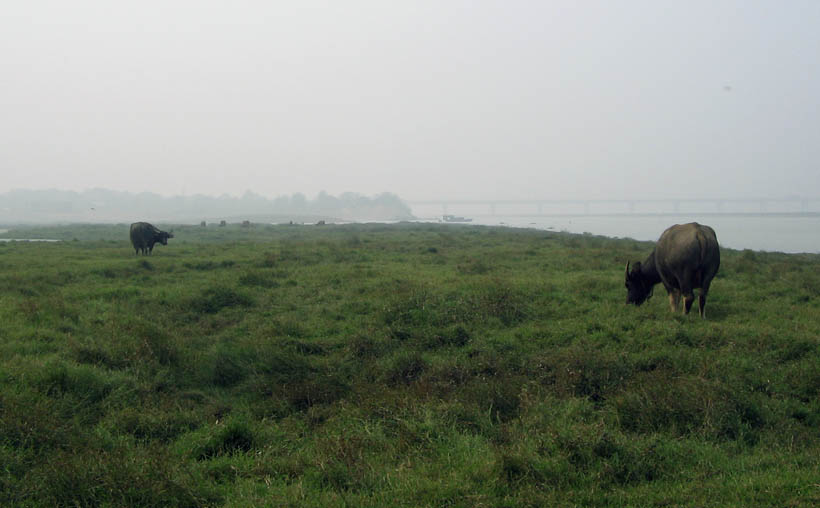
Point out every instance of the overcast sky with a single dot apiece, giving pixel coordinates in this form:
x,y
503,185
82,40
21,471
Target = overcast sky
x,y
441,99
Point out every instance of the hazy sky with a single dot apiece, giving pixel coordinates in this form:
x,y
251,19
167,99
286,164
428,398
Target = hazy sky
x,y
441,99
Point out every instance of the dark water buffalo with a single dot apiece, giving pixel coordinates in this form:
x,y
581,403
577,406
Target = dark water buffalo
x,y
144,236
686,257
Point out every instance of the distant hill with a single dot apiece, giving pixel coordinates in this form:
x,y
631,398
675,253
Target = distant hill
x,y
103,205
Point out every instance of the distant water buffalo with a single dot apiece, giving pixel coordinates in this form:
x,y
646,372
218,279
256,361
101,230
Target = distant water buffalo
x,y
686,257
144,236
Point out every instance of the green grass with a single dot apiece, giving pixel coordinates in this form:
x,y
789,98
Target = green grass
x,y
403,365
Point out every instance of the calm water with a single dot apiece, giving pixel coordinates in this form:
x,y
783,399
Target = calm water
x,y
28,240
782,233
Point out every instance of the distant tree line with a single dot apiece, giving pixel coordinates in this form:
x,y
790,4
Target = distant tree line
x,y
103,205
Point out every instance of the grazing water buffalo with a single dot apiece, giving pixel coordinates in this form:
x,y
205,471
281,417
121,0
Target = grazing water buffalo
x,y
144,236
686,257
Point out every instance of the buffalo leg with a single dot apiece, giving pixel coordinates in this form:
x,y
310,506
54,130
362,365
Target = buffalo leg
x,y
688,296
702,299
674,300
685,285
688,300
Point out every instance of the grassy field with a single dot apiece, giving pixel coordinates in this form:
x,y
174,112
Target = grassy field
x,y
402,365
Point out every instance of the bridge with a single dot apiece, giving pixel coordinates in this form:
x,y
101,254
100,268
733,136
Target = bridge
x,y
552,207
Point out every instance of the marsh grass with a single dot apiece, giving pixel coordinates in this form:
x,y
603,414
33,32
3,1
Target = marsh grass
x,y
400,365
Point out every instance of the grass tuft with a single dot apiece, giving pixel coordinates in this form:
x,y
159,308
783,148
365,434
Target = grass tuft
x,y
214,299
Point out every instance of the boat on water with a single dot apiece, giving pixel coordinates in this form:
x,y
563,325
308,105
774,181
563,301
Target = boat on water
x,y
455,218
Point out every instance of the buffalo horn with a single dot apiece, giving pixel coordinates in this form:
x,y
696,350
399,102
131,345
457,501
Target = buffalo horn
x,y
627,269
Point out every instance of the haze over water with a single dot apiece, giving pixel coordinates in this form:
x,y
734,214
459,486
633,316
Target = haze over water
x,y
478,99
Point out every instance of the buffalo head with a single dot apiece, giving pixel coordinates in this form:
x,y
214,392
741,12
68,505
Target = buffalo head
x,y
638,287
164,236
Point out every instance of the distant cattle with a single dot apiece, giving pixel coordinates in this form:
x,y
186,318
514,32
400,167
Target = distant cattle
x,y
685,258
144,236
203,224
222,223
246,223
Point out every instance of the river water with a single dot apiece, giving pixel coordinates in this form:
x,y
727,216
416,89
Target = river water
x,y
791,233
28,240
